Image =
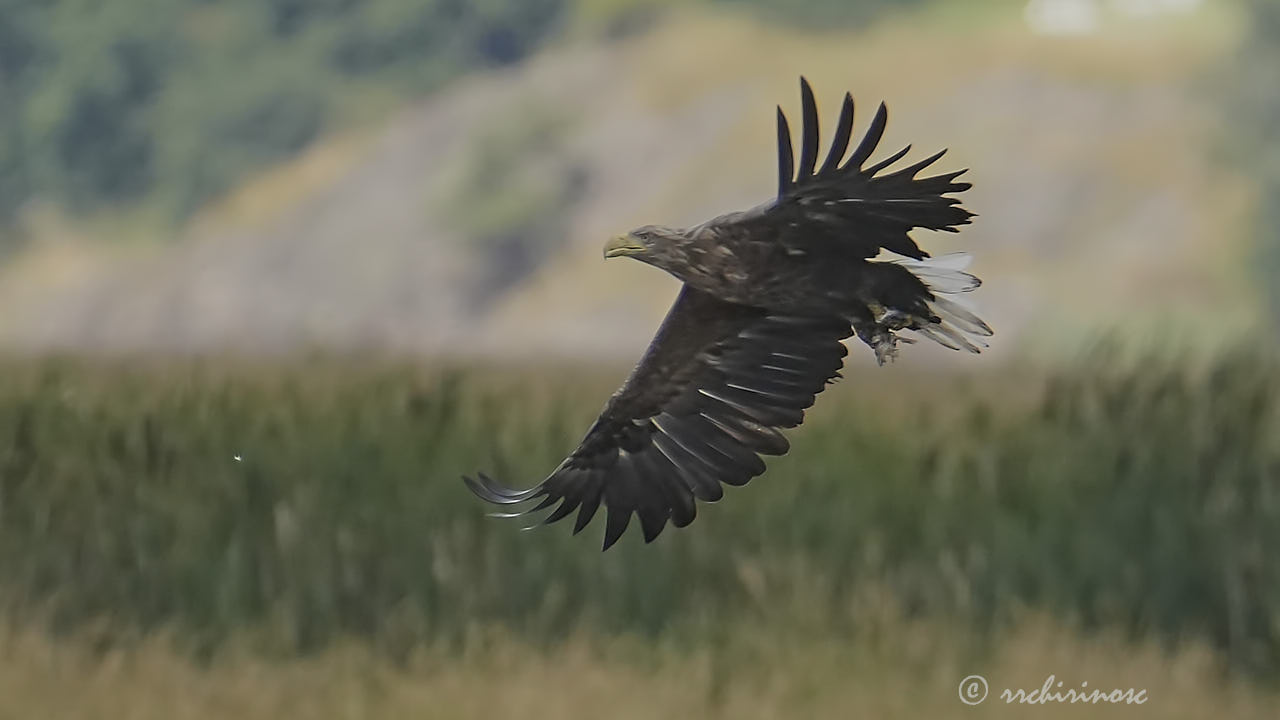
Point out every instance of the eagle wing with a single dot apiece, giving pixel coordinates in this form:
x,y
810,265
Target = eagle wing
x,y
845,205
704,403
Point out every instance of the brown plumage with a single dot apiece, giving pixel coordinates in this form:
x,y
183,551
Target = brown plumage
x,y
756,332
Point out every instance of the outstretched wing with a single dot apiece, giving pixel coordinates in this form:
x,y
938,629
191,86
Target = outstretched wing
x,y
844,205
701,407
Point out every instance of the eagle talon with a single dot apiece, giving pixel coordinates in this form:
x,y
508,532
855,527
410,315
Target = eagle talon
x,y
894,319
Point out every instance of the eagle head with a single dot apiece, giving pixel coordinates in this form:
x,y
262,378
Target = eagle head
x,y
646,243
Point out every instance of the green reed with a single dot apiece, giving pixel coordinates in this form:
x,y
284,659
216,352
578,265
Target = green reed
x,y
1139,493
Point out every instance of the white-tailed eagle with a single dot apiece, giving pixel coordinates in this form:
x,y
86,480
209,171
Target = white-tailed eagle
x,y
756,331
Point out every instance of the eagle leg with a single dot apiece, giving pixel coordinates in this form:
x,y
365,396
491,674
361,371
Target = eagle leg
x,y
879,337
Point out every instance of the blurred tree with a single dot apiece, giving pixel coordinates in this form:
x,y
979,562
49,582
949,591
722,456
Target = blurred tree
x,y
172,101
19,48
1255,128
819,12
514,184
86,115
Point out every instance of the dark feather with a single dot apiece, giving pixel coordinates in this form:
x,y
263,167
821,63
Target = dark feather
x,y
590,503
887,161
568,505
809,144
786,162
870,140
696,473
697,413
848,208
844,130
617,519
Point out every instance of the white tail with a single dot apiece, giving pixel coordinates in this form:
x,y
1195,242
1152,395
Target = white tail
x,y
959,328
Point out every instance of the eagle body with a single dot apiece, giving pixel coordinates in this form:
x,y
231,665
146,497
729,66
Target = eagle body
x,y
757,330
778,268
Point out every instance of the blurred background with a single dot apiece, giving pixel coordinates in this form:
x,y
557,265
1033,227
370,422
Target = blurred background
x,y
274,274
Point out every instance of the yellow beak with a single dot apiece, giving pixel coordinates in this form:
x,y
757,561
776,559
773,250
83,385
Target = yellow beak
x,y
623,245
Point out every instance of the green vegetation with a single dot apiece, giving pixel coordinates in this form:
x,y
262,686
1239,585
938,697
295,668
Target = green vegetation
x,y
1255,131
514,185
1140,496
824,12
172,102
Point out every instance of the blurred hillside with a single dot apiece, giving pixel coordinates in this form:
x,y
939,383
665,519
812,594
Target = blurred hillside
x,y
1256,136
470,222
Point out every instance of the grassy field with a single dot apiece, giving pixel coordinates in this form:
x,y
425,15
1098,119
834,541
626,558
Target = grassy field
x,y
297,510
903,670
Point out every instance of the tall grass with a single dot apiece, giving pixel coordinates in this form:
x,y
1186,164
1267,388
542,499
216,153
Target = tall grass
x,y
1138,494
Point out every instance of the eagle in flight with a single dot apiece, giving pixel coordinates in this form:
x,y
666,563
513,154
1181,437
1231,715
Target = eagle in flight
x,y
757,329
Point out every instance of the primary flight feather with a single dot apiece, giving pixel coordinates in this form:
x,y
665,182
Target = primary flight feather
x,y
757,330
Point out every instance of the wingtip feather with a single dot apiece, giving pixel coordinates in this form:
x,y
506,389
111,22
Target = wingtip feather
x,y
869,141
809,131
786,160
840,143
